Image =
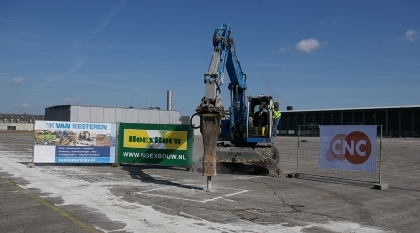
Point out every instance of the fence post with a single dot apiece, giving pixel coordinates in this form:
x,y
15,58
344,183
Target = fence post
x,y
380,157
381,185
32,164
297,157
116,141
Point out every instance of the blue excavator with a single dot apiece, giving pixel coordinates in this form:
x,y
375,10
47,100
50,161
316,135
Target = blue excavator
x,y
234,135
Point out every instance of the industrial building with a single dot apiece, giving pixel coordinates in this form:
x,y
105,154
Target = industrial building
x,y
150,115
18,121
92,114
396,121
19,118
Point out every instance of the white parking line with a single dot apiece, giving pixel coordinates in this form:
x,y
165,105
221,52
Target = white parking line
x,y
188,199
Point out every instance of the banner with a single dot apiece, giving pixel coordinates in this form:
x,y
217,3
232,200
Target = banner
x,y
74,142
350,147
155,144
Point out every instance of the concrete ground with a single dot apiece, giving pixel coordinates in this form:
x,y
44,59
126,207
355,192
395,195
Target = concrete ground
x,y
150,198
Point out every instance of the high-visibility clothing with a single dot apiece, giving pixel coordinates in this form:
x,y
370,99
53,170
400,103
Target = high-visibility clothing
x,y
276,114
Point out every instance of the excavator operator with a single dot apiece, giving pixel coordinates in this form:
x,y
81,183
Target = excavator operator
x,y
260,120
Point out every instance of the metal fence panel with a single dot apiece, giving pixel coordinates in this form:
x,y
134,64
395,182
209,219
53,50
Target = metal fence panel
x,y
335,156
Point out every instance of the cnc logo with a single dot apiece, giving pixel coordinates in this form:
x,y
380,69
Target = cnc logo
x,y
355,147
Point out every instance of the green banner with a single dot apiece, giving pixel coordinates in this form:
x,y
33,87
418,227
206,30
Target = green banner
x,y
155,144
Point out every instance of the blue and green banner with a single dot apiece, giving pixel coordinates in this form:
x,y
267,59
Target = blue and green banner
x,y
74,142
155,144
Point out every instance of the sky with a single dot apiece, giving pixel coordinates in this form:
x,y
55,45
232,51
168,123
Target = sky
x,y
120,53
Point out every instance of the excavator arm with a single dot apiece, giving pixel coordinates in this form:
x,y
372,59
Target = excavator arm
x,y
211,110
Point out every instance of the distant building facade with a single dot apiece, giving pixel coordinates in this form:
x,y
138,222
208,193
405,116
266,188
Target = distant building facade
x,y
396,121
19,118
18,121
75,113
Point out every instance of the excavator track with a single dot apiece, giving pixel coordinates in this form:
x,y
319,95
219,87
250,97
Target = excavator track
x,y
264,159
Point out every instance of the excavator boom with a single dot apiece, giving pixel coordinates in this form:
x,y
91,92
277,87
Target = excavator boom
x,y
246,144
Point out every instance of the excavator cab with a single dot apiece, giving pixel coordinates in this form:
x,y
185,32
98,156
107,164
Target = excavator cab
x,y
260,116
257,126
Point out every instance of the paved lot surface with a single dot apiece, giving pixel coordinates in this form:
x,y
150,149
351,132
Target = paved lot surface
x,y
147,198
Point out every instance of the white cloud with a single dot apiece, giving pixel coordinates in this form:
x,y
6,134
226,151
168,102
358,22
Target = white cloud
x,y
18,81
25,106
71,101
308,45
411,35
285,49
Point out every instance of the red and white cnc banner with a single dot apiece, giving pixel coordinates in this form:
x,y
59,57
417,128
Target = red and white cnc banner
x,y
350,147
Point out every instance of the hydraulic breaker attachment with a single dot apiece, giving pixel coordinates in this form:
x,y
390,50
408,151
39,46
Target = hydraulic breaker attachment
x,y
210,130
210,119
